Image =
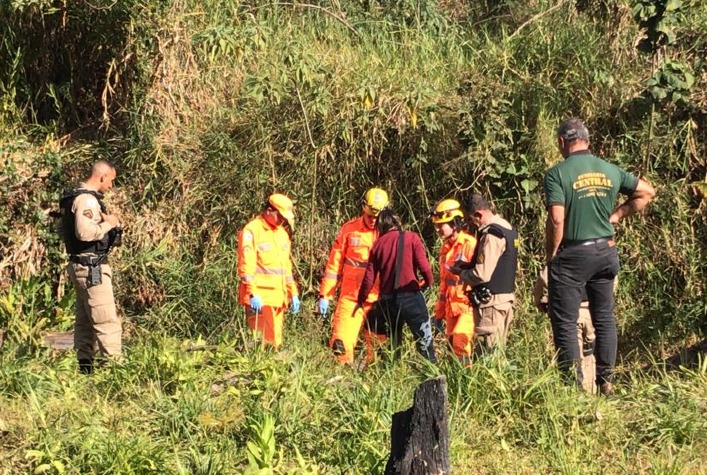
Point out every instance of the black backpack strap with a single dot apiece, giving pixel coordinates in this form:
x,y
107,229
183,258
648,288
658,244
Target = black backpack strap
x,y
399,259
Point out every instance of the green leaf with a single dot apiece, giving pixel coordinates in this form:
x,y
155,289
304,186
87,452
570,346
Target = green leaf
x,y
673,5
34,454
659,93
528,185
58,466
689,80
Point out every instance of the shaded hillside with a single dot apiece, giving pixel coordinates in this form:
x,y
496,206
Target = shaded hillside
x,y
208,107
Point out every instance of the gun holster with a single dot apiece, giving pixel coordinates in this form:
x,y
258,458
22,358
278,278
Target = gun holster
x,y
588,348
479,295
95,276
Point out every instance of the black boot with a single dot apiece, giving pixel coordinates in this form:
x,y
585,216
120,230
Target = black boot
x,y
85,366
338,347
606,389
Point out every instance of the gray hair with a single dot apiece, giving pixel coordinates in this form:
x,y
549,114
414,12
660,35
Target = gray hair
x,y
573,129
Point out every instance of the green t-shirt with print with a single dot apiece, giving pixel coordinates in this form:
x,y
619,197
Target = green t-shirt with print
x,y
587,187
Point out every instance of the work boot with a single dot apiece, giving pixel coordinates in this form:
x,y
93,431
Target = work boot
x,y
606,389
85,366
338,348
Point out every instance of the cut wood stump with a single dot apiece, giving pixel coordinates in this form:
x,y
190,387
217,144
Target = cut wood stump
x,y
60,341
419,442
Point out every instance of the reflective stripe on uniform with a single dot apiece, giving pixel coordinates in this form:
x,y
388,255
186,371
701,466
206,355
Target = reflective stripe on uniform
x,y
263,270
332,276
247,278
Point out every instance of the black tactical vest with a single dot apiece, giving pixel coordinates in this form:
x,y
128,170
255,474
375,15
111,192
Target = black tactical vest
x,y
75,246
503,280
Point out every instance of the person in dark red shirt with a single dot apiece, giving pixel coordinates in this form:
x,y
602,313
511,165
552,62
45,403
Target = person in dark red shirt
x,y
401,300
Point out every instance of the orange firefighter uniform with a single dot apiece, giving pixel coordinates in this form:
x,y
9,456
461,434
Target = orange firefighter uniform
x,y
346,266
265,270
453,304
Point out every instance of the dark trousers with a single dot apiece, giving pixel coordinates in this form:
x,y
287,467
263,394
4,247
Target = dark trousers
x,y
409,308
574,268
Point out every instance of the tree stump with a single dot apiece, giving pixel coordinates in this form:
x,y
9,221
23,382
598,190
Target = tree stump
x,y
419,436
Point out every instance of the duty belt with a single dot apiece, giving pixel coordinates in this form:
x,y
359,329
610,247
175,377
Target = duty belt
x,y
354,263
587,242
88,260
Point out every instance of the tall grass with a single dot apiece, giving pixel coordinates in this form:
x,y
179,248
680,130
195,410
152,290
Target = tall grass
x,y
206,107
223,410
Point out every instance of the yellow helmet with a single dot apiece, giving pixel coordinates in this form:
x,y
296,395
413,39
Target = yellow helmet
x,y
446,211
284,206
374,201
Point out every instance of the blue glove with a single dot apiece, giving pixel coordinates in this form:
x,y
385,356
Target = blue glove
x,y
323,306
256,303
294,304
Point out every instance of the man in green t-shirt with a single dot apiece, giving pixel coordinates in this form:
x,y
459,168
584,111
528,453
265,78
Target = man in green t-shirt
x,y
580,195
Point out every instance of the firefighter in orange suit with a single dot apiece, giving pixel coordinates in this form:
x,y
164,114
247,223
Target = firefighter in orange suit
x,y
453,310
346,266
265,270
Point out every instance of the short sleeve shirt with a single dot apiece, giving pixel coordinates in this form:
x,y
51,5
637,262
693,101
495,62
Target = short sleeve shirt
x,y
587,187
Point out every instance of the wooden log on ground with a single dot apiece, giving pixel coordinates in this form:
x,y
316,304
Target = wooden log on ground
x,y
60,341
420,435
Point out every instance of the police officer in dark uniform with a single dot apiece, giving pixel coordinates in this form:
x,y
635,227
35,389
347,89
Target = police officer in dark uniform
x,y
89,232
580,195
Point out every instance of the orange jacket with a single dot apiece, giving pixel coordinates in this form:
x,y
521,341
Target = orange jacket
x,y
264,264
452,300
348,260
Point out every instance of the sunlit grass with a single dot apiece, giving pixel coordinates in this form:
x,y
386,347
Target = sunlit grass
x,y
229,101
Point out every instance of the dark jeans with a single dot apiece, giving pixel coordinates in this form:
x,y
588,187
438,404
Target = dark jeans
x,y
593,267
409,308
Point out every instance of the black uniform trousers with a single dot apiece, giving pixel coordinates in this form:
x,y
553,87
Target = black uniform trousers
x,y
592,265
405,308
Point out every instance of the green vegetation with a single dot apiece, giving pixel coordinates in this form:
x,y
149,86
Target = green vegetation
x,y
206,107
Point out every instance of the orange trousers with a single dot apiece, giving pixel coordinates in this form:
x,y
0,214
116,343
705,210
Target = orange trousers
x,y
460,332
345,330
268,323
